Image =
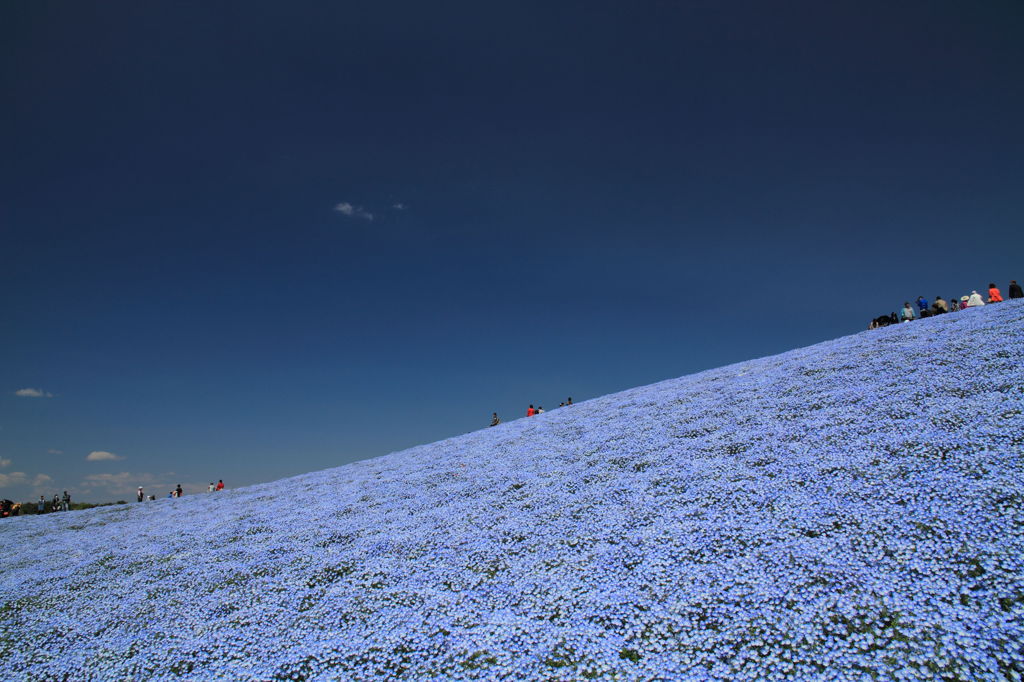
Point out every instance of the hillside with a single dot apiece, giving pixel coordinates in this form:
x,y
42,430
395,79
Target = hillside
x,y
852,507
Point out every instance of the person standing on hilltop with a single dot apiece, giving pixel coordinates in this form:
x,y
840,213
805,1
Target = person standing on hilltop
x,y
530,411
907,314
994,296
139,496
65,502
220,484
494,419
41,505
922,304
178,492
1015,291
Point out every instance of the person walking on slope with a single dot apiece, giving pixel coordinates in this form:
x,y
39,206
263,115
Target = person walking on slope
x,y
974,301
1015,291
139,496
41,505
993,294
530,411
907,314
65,502
494,419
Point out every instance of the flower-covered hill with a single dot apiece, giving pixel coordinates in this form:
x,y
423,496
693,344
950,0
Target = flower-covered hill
x,y
851,509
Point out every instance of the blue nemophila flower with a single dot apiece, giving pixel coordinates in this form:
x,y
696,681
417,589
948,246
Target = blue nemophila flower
x,y
854,506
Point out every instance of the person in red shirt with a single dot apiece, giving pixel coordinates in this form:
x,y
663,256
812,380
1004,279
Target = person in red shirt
x,y
993,294
530,412
220,484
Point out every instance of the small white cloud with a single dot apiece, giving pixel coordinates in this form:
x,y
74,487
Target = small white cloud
x,y
102,456
40,479
347,209
4,463
55,452
13,478
32,393
399,206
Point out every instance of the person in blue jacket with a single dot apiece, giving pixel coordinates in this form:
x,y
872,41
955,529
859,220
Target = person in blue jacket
x,y
922,303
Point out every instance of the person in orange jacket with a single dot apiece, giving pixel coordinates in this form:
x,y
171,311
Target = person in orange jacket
x,y
530,411
993,294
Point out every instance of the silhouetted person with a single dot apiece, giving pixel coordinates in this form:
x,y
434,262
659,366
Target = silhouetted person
x,y
569,402
494,419
178,492
139,496
1015,291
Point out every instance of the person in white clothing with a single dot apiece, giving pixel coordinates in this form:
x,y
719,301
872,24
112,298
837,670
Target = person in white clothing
x,y
975,300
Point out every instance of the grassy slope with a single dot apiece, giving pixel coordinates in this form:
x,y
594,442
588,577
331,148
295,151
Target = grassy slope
x,y
854,506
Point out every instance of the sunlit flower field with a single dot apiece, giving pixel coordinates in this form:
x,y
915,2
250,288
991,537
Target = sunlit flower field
x,y
850,510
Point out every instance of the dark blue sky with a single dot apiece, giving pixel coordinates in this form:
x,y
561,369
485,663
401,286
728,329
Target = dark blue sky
x,y
567,199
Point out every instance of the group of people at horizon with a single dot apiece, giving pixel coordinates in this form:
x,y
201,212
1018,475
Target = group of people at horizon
x,y
940,305
141,496
530,411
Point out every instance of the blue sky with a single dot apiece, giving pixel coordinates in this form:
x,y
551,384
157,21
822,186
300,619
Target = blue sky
x,y
250,240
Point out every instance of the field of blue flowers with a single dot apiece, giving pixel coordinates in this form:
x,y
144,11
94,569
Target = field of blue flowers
x,y
850,510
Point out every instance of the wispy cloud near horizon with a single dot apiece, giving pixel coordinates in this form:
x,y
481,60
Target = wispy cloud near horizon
x,y
13,478
102,456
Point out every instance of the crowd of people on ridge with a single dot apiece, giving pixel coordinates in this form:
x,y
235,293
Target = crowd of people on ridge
x,y
63,502
141,496
940,305
530,411
58,503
